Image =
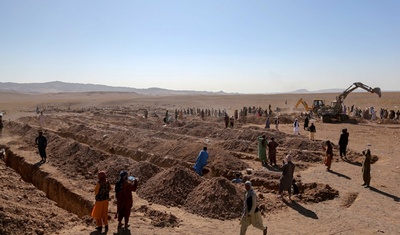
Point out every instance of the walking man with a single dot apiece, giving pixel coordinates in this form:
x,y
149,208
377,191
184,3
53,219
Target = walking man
x,y
251,214
366,167
312,130
343,141
41,142
286,179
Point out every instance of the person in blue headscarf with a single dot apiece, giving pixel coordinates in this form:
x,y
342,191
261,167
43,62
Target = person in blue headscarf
x,y
201,161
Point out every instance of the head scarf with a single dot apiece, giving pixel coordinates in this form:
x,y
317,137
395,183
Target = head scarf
x,y
288,158
102,176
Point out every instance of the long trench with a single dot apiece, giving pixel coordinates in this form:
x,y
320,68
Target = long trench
x,y
55,190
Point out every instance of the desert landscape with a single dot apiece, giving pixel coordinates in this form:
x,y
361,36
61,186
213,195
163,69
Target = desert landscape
x,y
89,132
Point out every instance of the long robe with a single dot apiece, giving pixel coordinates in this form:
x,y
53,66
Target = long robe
x,y
100,209
125,200
272,152
366,167
262,147
201,162
328,156
296,127
286,179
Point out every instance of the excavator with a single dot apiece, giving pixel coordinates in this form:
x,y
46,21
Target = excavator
x,y
316,105
335,111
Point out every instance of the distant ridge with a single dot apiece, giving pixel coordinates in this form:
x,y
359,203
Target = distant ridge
x,y
58,87
333,90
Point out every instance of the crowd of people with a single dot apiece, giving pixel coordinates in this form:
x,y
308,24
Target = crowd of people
x,y
251,214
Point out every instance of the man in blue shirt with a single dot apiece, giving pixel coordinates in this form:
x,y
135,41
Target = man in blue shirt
x,y
201,161
237,180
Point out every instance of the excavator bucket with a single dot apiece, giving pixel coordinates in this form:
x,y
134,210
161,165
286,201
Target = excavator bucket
x,y
377,90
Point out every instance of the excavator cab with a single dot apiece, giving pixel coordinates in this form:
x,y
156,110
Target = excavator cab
x,y
317,105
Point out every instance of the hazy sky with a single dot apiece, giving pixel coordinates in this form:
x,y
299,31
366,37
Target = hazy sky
x,y
230,45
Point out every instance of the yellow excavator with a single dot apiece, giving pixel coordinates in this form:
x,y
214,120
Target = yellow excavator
x,y
316,105
335,111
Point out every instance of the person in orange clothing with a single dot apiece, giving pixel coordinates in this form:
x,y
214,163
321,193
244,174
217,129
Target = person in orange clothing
x,y
100,209
123,190
328,155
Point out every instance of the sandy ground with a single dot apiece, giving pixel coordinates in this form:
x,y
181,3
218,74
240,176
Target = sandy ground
x,y
78,123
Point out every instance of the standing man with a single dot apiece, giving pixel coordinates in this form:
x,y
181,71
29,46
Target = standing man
x,y
306,121
123,191
296,127
343,141
277,123
201,161
226,120
272,145
312,131
267,123
366,167
42,120
286,179
41,142
251,214
262,149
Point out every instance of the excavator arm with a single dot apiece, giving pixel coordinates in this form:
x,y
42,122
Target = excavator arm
x,y
341,97
304,103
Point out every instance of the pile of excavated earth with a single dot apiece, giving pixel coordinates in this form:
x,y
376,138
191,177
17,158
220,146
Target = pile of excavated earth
x,y
162,157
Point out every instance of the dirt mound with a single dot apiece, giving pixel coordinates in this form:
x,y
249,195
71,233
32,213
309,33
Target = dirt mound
x,y
216,198
170,187
159,218
227,166
313,192
114,165
144,170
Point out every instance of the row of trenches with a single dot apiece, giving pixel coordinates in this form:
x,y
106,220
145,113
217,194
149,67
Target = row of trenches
x,y
174,187
169,179
162,156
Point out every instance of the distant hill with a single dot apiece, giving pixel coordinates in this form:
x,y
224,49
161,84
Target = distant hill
x,y
333,90
57,87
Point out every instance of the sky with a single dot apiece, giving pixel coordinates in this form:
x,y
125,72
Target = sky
x,y
252,46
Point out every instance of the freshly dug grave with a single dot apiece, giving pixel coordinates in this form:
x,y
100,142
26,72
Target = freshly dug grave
x,y
26,210
316,192
216,198
159,218
170,187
